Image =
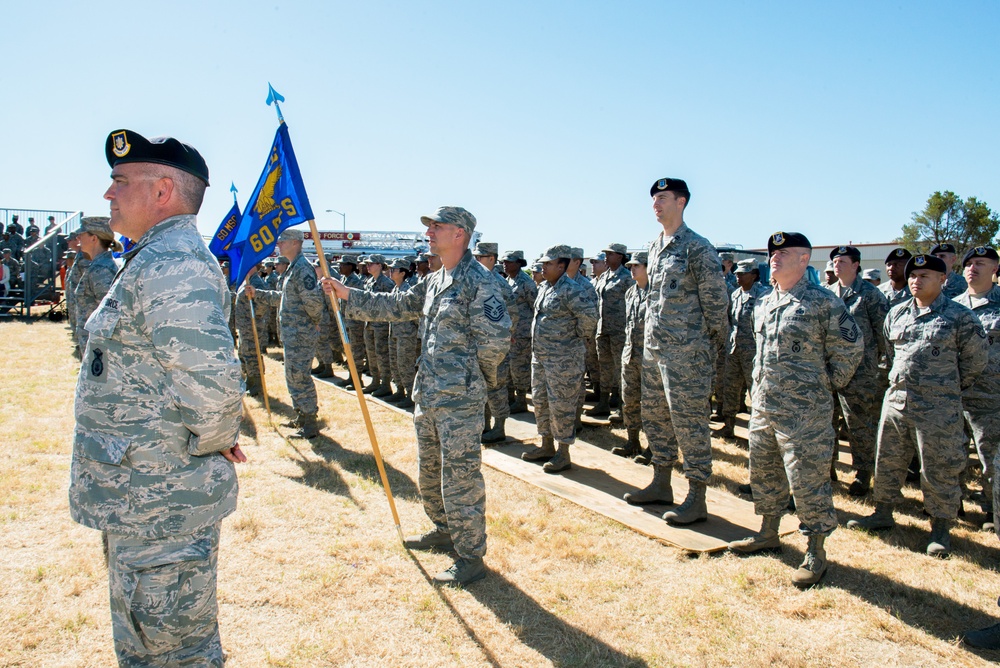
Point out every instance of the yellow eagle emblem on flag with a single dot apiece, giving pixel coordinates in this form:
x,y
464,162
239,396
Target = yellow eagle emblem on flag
x,y
265,201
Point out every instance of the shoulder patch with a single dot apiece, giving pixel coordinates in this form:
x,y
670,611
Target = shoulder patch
x,y
309,282
494,309
848,328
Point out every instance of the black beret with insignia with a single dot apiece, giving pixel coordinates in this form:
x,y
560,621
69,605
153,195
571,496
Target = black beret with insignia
x,y
849,251
127,146
671,185
944,248
981,251
787,240
898,254
925,262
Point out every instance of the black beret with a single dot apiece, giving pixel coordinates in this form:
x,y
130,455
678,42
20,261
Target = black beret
x,y
127,146
981,251
849,251
925,262
944,248
787,240
898,254
670,185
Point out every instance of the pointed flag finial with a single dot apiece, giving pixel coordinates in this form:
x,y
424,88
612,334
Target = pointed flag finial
x,y
275,97
233,190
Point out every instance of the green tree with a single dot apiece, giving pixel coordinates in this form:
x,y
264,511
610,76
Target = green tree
x,y
946,218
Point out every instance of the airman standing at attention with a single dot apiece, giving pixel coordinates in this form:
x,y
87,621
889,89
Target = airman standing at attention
x,y
497,402
937,351
300,305
350,277
686,315
954,284
525,292
244,325
982,400
808,345
738,376
611,288
592,363
404,341
861,399
565,313
895,289
377,333
631,364
98,243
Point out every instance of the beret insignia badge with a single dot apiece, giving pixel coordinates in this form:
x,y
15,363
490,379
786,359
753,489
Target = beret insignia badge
x,y
778,238
121,146
920,260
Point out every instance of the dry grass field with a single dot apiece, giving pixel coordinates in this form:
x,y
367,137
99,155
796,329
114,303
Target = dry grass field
x,y
312,572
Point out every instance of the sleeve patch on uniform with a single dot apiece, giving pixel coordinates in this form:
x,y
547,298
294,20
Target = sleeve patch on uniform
x,y
494,309
848,328
309,282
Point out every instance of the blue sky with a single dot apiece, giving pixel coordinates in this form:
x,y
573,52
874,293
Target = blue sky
x,y
549,121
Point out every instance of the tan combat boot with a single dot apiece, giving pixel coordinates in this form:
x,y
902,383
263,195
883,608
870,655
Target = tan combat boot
x,y
694,509
813,565
544,453
560,462
765,540
657,491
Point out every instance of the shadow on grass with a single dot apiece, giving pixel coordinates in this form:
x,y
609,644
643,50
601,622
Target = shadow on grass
x,y
536,627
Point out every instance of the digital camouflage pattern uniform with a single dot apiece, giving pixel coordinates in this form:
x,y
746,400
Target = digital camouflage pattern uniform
x,y
894,296
611,290
273,282
355,328
525,291
300,309
80,264
935,355
329,347
592,364
377,334
464,336
244,325
954,285
981,401
158,396
635,325
861,399
742,347
404,340
565,315
93,285
687,313
808,346
496,393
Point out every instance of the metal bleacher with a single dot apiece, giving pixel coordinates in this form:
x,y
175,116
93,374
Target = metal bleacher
x,y
38,291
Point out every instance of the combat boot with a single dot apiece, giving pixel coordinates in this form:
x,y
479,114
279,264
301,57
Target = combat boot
x,y
407,401
254,387
294,422
546,452
728,431
645,457
657,491
308,428
767,539
631,448
464,571
560,462
578,421
694,509
487,414
596,394
716,415
602,409
616,399
372,386
813,565
616,416
325,372
880,519
435,539
497,433
316,369
988,638
383,390
862,483
396,396
940,544
341,382
519,405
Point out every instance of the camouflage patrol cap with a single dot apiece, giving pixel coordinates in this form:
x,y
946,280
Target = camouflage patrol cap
x,y
376,258
575,253
291,234
514,256
898,254
848,251
451,215
124,146
829,267
787,240
423,258
944,248
486,248
642,257
560,252
99,226
747,266
871,275
350,258
72,235
282,260
400,263
621,249
536,267
32,229
931,262
980,251
7,251
670,185
727,257
600,257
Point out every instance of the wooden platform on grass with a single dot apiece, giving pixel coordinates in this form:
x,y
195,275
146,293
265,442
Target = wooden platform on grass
x,y
599,480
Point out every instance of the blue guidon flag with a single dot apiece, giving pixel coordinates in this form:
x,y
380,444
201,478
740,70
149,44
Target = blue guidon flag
x,y
279,201
223,237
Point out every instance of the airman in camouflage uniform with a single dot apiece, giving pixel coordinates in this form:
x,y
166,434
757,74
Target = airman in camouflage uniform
x,y
300,309
686,314
73,274
98,243
497,401
592,362
804,335
158,412
525,292
274,282
244,325
564,315
895,289
464,336
742,347
329,347
954,284
404,340
631,364
350,277
722,348
377,333
982,400
611,288
861,399
938,349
